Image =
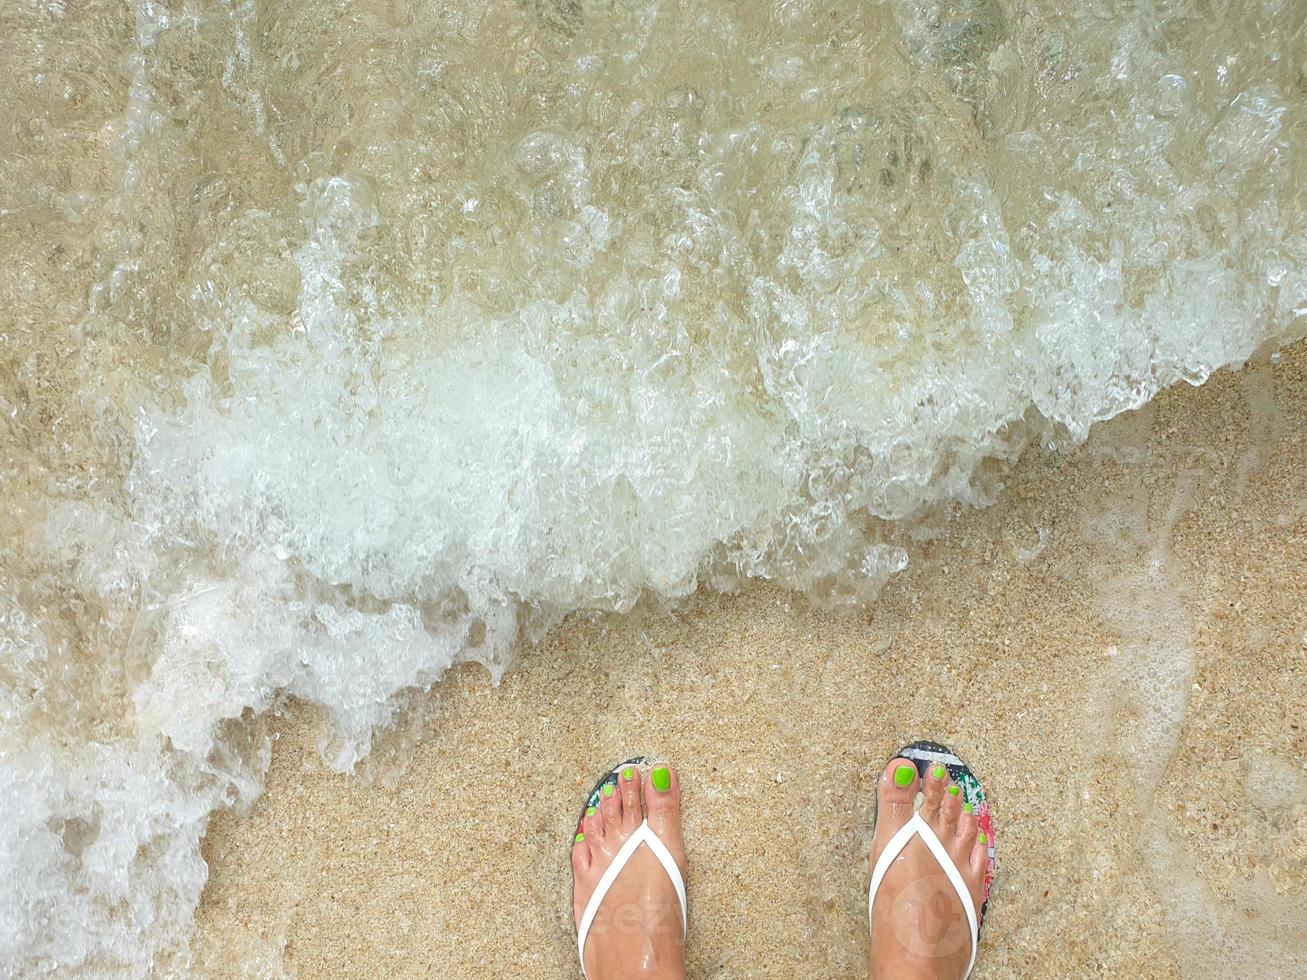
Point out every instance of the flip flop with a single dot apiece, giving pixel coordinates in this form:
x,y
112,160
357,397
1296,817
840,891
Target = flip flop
x,y
925,754
643,835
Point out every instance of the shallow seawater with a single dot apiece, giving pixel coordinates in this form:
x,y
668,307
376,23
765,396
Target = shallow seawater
x,y
343,342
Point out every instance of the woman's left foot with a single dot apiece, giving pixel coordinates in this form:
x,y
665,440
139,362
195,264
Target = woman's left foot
x,y
637,930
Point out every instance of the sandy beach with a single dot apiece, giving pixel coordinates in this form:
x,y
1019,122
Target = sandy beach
x,y
340,342
1117,646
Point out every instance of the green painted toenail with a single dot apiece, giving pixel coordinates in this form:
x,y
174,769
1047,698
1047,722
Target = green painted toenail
x,y
579,838
661,778
966,807
608,789
982,837
952,791
589,811
904,775
939,772
628,773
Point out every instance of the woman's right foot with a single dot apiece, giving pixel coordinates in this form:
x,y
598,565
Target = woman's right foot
x,y
918,928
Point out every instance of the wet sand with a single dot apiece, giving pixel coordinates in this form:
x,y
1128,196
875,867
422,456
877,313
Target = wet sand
x,y
1133,694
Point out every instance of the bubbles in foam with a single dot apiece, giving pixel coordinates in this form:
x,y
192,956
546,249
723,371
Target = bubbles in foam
x,y
121,822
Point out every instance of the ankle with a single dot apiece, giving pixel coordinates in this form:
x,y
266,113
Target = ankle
x,y
647,971
653,961
903,965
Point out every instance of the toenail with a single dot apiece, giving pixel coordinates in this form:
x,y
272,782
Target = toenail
x,y
952,791
608,789
661,778
579,838
628,773
939,772
904,775
590,811
983,838
966,807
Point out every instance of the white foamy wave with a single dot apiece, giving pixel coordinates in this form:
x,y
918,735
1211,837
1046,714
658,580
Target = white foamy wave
x,y
101,845
492,334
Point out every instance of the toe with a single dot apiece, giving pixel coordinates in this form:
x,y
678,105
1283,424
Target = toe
x,y
628,784
932,790
662,795
950,810
967,828
610,805
976,868
896,791
580,854
592,825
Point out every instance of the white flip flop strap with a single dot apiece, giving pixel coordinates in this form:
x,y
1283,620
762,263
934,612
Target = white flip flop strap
x,y
643,835
919,828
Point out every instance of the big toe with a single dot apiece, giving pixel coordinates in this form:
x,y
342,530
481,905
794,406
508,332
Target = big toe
x,y
662,795
896,793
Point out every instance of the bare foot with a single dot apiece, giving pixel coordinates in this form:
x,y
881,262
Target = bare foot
x,y
918,928
637,930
